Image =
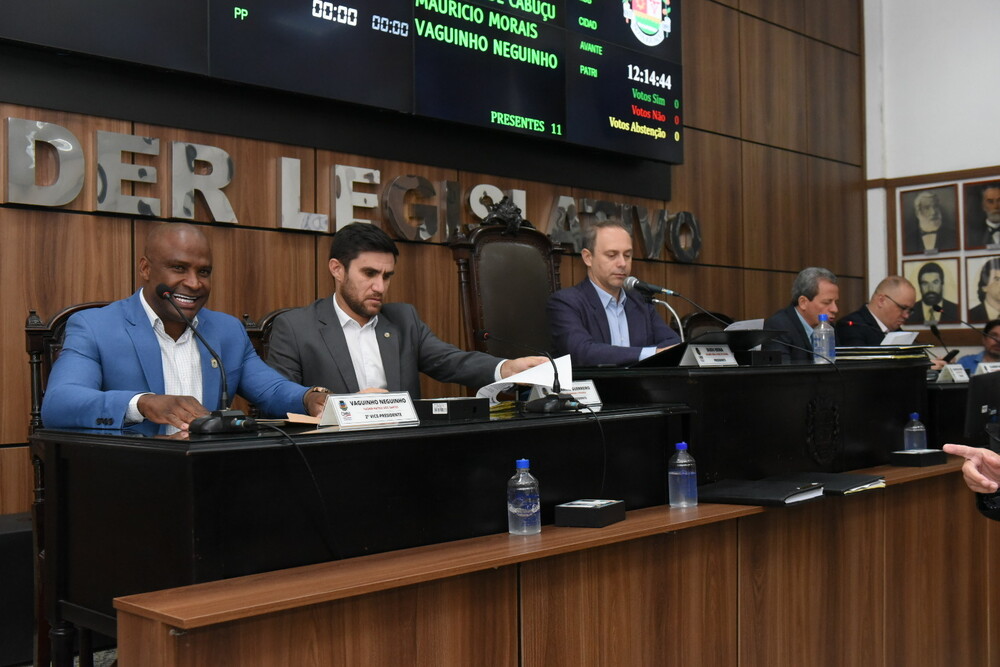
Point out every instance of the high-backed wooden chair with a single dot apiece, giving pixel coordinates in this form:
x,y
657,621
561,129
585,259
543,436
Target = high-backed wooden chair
x,y
260,332
505,279
44,343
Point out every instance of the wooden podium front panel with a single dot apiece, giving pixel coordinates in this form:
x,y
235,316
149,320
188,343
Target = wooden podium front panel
x,y
937,583
465,620
662,600
810,581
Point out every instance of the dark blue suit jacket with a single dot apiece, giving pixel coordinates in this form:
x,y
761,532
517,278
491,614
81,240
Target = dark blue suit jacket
x,y
787,322
580,327
111,354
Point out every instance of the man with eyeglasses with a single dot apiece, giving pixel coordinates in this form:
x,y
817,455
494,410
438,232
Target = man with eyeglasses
x,y
891,303
991,348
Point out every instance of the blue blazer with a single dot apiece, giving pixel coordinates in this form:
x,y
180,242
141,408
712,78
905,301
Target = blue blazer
x,y
580,327
111,354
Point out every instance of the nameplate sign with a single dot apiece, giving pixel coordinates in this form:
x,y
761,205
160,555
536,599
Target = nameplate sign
x,y
708,356
987,367
952,373
361,411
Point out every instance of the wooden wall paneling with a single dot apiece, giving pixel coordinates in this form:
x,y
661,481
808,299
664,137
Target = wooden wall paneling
x,y
809,584
438,623
711,70
735,4
716,289
787,13
765,292
837,233
853,293
776,215
254,190
254,271
710,185
50,260
933,525
992,589
16,480
837,23
772,85
834,98
667,599
83,127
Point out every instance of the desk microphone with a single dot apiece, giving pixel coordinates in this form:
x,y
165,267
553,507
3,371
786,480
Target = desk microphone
x,y
647,288
218,421
553,402
949,354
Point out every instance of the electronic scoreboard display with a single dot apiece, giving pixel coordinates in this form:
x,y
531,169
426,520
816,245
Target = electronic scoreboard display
x,y
598,73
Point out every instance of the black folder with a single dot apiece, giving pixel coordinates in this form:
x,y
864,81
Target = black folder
x,y
759,492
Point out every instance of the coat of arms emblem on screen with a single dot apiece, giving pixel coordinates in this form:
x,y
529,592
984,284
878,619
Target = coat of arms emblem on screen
x,y
650,19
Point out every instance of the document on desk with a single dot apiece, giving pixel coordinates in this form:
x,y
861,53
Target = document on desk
x,y
759,492
538,375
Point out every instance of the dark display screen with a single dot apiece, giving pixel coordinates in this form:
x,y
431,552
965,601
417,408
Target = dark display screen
x,y
598,73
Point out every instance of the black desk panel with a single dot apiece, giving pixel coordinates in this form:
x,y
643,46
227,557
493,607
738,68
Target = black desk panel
x,y
127,514
752,422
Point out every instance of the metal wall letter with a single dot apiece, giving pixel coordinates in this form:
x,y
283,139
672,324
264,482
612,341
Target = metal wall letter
x,y
422,222
345,198
685,252
653,234
290,200
22,177
186,181
564,223
111,171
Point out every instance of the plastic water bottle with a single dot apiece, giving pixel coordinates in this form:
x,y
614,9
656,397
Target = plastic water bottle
x,y
682,478
823,341
914,435
524,509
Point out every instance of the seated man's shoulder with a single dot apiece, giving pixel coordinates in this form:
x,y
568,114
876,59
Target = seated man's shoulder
x,y
399,311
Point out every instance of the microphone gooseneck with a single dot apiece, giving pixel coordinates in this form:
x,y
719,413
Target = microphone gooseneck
x,y
554,402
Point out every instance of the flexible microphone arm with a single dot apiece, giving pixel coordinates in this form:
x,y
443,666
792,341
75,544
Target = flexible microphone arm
x,y
164,292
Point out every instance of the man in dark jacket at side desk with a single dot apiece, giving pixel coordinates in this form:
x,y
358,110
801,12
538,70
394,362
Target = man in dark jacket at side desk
x,y
814,292
891,303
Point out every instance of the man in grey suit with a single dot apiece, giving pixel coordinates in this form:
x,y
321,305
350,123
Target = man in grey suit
x,y
353,342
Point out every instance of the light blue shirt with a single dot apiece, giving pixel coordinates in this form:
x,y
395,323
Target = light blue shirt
x,y
970,361
614,309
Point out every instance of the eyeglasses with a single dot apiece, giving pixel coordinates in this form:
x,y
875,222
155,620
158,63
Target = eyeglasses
x,y
905,309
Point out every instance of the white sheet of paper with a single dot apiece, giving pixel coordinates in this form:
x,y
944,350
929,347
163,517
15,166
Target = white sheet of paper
x,y
540,375
743,325
899,338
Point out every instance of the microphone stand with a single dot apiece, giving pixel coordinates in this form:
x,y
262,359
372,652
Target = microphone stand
x,y
218,421
680,329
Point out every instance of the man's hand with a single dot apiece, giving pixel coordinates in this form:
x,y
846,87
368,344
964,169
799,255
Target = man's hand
x,y
981,468
314,401
178,411
515,366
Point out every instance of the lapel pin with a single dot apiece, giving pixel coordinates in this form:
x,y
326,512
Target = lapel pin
x,y
386,334
215,363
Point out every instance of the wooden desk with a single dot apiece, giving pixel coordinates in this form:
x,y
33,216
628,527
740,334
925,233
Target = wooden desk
x,y
126,513
888,578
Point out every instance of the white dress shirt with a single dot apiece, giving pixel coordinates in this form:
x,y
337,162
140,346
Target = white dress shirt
x,y
362,343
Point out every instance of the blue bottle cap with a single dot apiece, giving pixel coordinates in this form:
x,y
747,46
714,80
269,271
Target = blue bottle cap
x,y
915,416
522,463
682,445
823,317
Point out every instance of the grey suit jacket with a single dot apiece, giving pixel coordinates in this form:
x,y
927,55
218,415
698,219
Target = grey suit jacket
x,y
308,346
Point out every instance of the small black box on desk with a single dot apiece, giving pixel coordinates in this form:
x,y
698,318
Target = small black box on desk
x,y
917,458
590,513
452,409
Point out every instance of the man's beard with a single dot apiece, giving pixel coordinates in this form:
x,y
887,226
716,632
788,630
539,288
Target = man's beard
x,y
932,298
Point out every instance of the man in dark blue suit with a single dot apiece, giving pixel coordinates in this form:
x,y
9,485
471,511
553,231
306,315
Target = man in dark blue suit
x,y
136,359
597,322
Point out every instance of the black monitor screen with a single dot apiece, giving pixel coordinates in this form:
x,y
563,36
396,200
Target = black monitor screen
x,y
599,73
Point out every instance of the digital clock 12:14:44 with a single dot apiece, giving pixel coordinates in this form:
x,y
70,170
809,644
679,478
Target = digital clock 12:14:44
x,y
649,77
